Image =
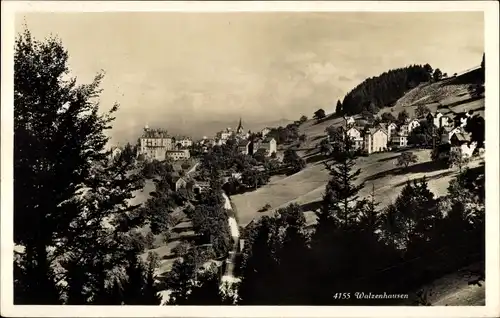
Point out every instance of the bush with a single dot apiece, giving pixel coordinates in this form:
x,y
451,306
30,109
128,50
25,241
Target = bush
x,y
149,240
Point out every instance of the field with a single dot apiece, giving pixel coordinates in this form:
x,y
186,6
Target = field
x,y
307,186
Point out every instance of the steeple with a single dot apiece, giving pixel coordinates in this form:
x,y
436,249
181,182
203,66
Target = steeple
x,y
239,130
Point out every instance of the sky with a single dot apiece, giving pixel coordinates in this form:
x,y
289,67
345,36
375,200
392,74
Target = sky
x,y
183,71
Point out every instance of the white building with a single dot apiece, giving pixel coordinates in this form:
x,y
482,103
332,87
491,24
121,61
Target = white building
x,y
349,121
180,154
356,136
269,145
414,123
376,139
265,131
154,143
391,129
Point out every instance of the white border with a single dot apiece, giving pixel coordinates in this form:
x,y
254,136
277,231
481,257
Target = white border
x,y
490,9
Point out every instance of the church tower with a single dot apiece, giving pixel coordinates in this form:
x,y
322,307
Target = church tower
x,y
239,130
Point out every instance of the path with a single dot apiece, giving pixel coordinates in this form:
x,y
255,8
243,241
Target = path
x,y
228,279
193,169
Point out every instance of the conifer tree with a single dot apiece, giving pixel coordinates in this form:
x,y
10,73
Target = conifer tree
x,y
69,191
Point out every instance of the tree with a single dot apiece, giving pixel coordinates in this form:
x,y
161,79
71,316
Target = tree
x,y
293,160
458,159
132,290
65,182
411,215
406,158
303,119
384,90
428,69
325,147
422,111
338,108
483,64
319,114
476,127
437,75
387,117
150,291
403,116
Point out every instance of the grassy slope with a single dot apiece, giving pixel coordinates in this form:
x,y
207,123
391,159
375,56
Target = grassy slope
x,y
307,187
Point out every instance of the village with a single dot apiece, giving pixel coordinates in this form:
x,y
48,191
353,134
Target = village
x,y
296,180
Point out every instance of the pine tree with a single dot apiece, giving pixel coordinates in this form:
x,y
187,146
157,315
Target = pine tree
x,y
67,186
150,292
340,201
258,283
370,218
133,287
338,222
338,108
292,255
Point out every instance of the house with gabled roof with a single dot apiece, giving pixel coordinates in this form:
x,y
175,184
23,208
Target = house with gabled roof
x,y
269,145
356,135
376,140
461,142
412,124
245,146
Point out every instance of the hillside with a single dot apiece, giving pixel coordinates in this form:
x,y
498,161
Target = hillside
x,y
307,186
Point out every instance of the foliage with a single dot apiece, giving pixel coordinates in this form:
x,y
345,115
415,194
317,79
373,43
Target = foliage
x,y
210,222
293,160
303,119
71,195
422,111
385,89
388,117
284,135
437,75
338,108
406,158
403,116
476,127
319,114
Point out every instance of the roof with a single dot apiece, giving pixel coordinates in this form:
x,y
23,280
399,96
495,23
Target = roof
x,y
243,143
371,131
464,137
177,178
267,140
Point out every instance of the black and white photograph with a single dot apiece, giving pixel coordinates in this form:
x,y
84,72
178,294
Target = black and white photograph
x,y
329,157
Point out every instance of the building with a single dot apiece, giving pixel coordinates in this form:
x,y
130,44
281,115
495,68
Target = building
x,y
414,123
376,140
461,142
391,129
178,183
154,143
436,119
404,130
269,145
225,134
179,154
200,186
399,141
445,121
349,121
450,131
245,147
265,131
185,142
356,136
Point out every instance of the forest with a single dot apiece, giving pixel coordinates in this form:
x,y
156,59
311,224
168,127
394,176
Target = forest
x,y
384,90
